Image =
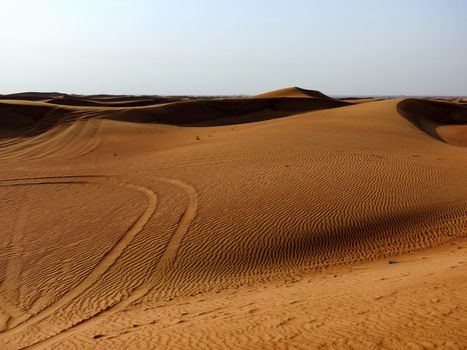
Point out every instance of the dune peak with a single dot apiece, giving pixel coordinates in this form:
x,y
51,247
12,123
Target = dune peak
x,y
293,92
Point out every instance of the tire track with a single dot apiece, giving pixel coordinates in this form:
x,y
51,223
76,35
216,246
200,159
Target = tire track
x,y
66,141
157,276
109,259
13,271
170,254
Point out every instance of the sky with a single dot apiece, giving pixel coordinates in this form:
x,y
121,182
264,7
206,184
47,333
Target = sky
x,y
208,47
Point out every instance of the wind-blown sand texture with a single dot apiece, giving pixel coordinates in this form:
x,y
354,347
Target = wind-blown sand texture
x,y
289,220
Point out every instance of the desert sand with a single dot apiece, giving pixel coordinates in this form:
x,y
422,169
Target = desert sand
x,y
287,220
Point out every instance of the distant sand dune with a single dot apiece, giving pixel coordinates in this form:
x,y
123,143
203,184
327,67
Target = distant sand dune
x,y
105,103
295,92
35,117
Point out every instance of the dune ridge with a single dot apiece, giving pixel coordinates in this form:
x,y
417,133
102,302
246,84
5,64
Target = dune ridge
x,y
293,92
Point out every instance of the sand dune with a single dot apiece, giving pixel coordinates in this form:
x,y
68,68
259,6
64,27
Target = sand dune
x,y
106,103
37,117
293,92
33,96
442,120
239,223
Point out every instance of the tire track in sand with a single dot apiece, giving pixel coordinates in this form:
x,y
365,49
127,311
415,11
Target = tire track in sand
x,y
66,141
108,260
157,276
13,271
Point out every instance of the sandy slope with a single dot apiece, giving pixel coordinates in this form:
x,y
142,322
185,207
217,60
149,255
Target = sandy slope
x,y
221,223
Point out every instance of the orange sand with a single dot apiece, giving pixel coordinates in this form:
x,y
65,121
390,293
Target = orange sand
x,y
242,223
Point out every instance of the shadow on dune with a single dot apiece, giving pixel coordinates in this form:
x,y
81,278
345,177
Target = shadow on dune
x,y
29,120
361,240
33,118
70,101
33,96
226,111
429,115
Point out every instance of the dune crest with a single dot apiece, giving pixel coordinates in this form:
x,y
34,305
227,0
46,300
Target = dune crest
x,y
293,92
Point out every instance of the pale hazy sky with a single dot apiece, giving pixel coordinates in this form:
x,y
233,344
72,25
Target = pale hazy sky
x,y
234,47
